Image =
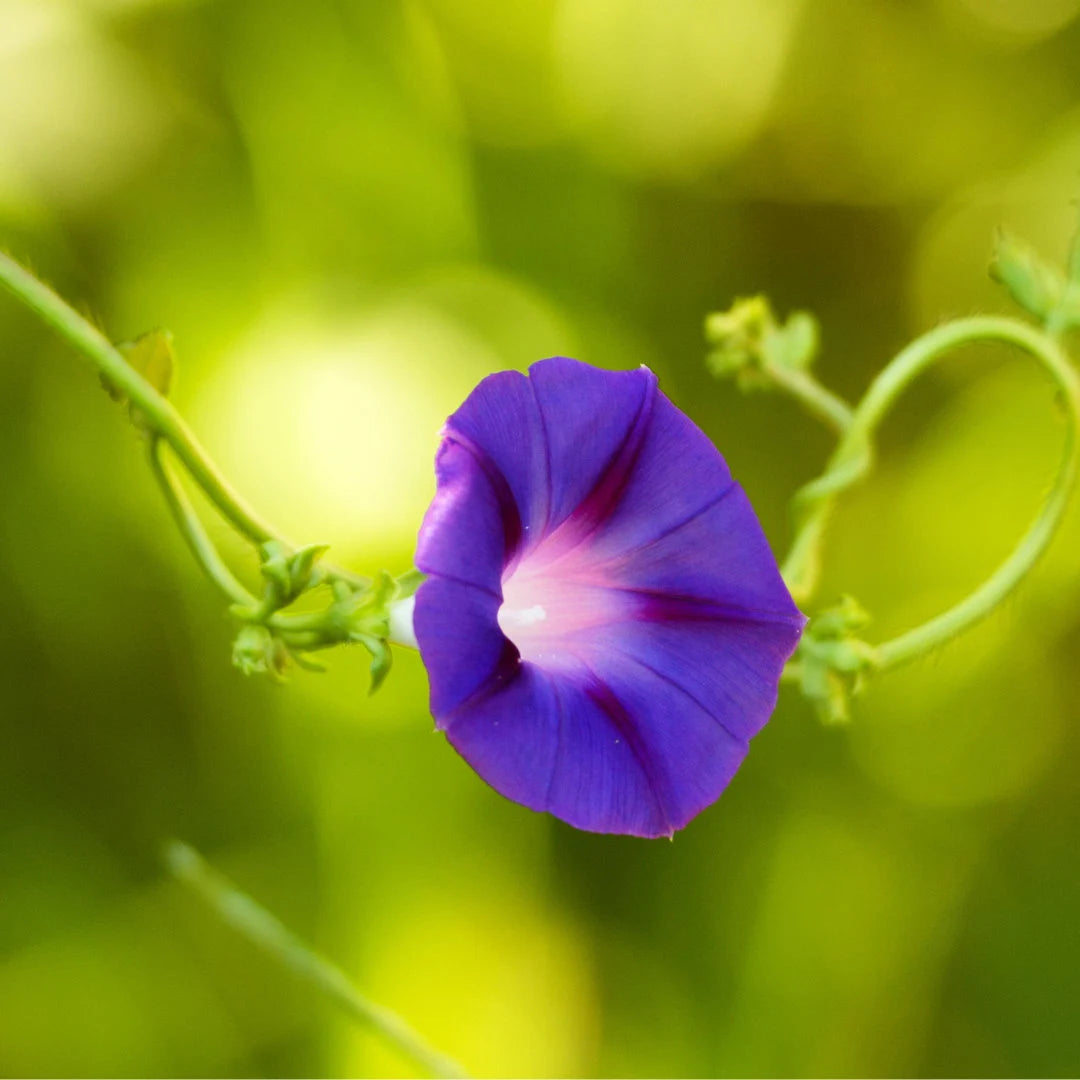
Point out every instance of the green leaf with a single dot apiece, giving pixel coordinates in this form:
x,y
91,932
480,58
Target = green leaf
x,y
795,344
151,355
1035,286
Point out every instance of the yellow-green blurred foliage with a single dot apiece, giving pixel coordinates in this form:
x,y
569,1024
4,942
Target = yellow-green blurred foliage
x,y
347,212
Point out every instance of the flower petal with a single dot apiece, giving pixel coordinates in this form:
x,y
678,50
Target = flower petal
x,y
471,527
629,752
595,422
548,743
463,648
719,555
553,435
500,418
677,474
604,777
510,735
729,667
688,756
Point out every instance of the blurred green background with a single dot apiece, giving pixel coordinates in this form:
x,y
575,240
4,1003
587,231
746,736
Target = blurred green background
x,y
347,212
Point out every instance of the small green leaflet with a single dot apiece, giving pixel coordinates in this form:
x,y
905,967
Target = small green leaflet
x,y
151,355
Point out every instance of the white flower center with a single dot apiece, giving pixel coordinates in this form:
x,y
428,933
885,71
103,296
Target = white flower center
x,y
517,618
554,613
401,622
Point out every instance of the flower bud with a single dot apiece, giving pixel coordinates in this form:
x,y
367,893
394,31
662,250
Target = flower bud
x,y
1035,286
256,651
750,343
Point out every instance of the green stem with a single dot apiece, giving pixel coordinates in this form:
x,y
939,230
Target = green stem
x,y
854,455
820,402
156,412
239,911
309,621
159,414
191,527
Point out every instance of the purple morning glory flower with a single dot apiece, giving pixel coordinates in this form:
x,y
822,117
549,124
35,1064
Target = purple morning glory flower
x,y
603,623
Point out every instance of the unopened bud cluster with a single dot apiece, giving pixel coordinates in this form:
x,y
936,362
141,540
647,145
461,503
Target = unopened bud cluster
x,y
834,661
272,639
1043,291
751,344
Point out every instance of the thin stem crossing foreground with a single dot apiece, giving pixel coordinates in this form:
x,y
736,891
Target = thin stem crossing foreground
x,y
239,911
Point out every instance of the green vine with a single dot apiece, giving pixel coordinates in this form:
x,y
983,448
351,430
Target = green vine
x,y
751,345
270,638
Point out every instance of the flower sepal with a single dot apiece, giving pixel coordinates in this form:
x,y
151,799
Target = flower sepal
x,y
273,638
1043,291
288,575
833,661
258,651
1032,283
151,355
